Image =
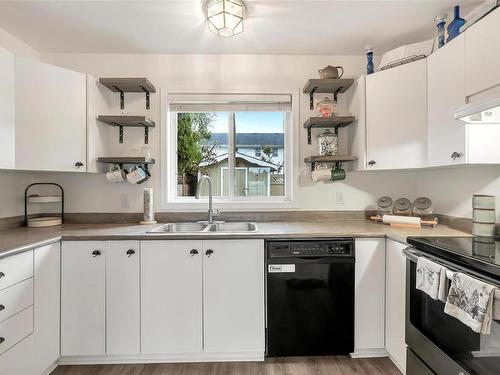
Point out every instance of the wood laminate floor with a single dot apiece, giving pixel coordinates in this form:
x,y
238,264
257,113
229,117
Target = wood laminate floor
x,y
338,365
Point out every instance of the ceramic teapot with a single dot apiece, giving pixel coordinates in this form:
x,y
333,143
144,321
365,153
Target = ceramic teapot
x,y
331,72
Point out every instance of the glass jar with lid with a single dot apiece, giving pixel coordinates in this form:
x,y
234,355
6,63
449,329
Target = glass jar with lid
x,y
328,143
327,107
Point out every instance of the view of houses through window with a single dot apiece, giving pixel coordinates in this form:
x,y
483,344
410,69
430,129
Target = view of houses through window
x,y
256,154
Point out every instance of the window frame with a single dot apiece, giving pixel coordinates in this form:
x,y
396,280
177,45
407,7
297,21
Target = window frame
x,y
168,179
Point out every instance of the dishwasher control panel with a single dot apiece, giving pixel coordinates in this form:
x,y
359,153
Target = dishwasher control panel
x,y
342,247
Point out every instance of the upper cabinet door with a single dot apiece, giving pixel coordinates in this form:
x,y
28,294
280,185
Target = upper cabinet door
x,y
7,110
233,287
396,117
482,53
50,117
446,92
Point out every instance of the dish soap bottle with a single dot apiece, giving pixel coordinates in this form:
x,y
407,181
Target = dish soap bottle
x,y
455,25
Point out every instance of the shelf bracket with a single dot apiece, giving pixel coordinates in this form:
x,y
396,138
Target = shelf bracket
x,y
147,97
146,135
309,135
313,165
311,98
146,167
122,97
336,93
120,137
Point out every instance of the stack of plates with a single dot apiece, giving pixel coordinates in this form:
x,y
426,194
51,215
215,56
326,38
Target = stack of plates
x,y
483,215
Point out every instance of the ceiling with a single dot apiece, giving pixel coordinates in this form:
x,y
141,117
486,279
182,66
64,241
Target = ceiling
x,y
178,26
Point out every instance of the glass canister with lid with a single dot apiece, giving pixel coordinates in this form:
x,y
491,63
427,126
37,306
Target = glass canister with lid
x,y
384,206
327,107
422,207
403,207
328,143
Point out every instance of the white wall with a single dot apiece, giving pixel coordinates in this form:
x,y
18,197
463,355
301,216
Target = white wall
x,y
17,46
449,188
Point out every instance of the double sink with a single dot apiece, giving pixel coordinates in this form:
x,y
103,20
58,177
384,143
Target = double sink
x,y
204,227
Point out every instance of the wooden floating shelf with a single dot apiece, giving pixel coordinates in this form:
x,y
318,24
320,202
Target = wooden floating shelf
x,y
122,120
123,85
327,85
335,86
337,159
327,122
126,160
131,121
128,84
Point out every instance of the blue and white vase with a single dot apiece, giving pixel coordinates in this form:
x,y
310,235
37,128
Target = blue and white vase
x,y
440,24
369,57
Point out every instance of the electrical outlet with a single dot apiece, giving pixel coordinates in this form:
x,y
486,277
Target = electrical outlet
x,y
124,201
339,197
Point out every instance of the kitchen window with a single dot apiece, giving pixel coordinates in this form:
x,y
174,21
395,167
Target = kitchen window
x,y
242,141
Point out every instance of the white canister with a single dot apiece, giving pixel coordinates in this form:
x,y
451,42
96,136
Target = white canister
x,y
483,201
483,229
483,215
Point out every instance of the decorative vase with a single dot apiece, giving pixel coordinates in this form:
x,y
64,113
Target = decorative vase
x,y
369,57
440,23
328,143
455,25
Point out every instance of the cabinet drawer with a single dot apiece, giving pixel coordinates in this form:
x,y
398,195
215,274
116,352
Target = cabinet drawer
x,y
16,268
16,298
15,329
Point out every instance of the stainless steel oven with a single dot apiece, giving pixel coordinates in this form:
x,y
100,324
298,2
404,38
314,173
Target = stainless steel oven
x,y
438,343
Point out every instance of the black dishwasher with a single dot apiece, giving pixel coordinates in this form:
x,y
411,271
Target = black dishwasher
x,y
310,297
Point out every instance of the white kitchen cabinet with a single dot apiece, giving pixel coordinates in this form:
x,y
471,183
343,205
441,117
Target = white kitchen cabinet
x,y
50,117
123,309
369,319
7,109
395,303
396,117
171,284
83,292
446,93
233,287
40,350
482,53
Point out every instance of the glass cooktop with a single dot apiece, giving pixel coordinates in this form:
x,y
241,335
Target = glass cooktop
x,y
480,253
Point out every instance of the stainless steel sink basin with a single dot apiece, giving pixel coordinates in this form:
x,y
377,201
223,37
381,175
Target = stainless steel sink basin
x,y
179,228
233,227
190,227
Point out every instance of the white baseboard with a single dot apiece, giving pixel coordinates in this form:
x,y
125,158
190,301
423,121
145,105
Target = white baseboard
x,y
51,368
369,353
162,358
400,368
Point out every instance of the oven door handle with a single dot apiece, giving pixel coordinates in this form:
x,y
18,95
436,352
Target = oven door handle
x,y
411,255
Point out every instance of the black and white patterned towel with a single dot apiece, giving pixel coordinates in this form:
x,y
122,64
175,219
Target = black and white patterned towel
x,y
471,301
431,279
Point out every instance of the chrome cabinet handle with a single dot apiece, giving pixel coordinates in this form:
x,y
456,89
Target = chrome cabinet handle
x,y
130,252
455,155
193,252
96,253
371,163
2,307
209,252
2,275
78,164
2,339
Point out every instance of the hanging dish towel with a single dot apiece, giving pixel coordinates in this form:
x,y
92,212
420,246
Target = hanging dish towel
x,y
431,279
471,302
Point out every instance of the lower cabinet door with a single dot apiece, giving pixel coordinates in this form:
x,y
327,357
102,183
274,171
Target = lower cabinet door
x,y
123,312
83,298
171,289
395,303
233,287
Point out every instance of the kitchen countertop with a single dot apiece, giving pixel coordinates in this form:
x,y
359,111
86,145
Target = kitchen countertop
x,y
22,239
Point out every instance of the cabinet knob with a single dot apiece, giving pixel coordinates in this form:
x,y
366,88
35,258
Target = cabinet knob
x,y
78,164
193,252
2,307
209,252
2,275
96,253
371,163
130,252
455,155
2,339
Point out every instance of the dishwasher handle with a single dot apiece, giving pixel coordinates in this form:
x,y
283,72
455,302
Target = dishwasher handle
x,y
312,260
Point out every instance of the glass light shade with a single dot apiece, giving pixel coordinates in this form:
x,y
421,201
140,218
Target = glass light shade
x,y
225,17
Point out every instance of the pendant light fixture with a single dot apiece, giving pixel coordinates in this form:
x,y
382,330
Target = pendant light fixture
x,y
225,17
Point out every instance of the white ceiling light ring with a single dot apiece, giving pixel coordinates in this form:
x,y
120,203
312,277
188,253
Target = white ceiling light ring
x,y
225,17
